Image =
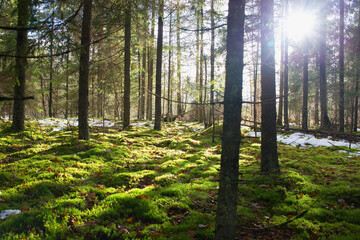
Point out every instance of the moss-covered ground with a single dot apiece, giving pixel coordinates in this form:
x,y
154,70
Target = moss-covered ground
x,y
146,184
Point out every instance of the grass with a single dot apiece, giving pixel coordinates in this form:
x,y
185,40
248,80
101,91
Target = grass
x,y
146,184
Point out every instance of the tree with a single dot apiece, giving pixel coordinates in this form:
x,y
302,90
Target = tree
x,y
341,68
83,103
229,169
20,66
157,125
169,95
305,84
212,66
325,121
151,65
286,71
127,60
357,78
178,56
269,156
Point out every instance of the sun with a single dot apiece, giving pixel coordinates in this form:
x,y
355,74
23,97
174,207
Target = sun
x,y
300,24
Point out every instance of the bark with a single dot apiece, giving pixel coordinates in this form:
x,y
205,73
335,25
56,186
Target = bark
x,y
20,67
157,125
169,103
143,75
226,219
212,67
143,88
269,156
197,59
304,121
93,112
201,70
357,79
178,56
281,87
325,121
255,86
139,85
286,72
83,103
151,66
51,70
127,59
67,82
342,68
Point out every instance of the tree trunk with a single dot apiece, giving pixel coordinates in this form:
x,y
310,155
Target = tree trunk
x,y
325,121
212,67
357,79
151,66
342,68
143,88
83,104
67,83
50,104
127,60
20,67
169,103
93,111
304,121
255,86
178,48
269,156
281,87
201,70
139,85
286,72
226,219
197,59
157,125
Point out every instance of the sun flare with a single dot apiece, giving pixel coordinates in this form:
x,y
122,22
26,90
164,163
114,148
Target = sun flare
x,y
300,25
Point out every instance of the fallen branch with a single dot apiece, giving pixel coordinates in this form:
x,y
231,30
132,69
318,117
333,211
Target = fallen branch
x,y
3,98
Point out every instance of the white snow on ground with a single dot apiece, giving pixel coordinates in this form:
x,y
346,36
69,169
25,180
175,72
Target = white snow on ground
x,y
6,213
141,124
306,140
295,139
60,124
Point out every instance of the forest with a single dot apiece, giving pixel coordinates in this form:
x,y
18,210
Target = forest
x,y
179,119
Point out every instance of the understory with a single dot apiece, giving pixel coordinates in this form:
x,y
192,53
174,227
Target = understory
x,y
146,184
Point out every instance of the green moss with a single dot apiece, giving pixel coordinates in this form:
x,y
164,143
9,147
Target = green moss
x,y
123,206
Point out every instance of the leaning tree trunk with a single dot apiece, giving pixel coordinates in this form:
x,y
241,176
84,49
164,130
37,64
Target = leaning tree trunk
x,y
127,55
83,104
157,125
21,52
269,156
226,219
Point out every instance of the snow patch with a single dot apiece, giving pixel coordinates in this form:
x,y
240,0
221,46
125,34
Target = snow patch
x,y
141,124
6,213
307,140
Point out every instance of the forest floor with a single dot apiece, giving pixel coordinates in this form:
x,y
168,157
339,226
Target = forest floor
x,y
146,184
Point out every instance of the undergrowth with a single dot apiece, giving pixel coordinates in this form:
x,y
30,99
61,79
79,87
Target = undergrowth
x,y
146,184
